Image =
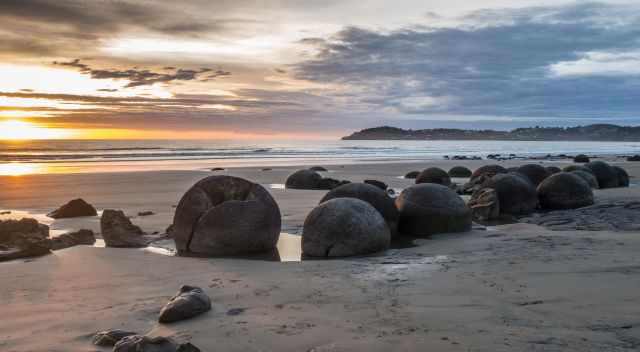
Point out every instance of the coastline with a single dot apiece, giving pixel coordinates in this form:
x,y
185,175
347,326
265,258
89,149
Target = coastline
x,y
499,288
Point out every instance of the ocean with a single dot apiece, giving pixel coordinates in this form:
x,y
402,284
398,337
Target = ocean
x,y
60,156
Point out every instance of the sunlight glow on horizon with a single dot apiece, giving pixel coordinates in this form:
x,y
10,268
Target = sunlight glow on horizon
x,y
21,130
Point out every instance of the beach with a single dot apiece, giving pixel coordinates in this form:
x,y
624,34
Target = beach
x,y
513,287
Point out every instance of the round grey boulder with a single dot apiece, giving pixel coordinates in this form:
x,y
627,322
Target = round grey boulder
x,y
552,170
565,190
587,177
459,171
226,216
534,172
516,193
412,174
581,158
606,175
574,167
304,179
373,195
490,170
344,227
623,176
434,175
428,208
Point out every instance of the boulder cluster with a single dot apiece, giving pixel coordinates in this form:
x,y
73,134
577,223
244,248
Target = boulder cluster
x,y
496,191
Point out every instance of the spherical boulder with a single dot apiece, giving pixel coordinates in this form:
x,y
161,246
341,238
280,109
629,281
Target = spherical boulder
x,y
383,186
552,170
489,169
587,177
304,179
373,195
606,175
534,172
412,174
565,190
428,208
226,216
459,171
581,158
344,227
434,175
572,168
517,195
623,176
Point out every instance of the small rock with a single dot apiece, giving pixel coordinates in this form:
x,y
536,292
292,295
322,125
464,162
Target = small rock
x,y
110,337
73,209
412,174
81,237
189,302
118,231
146,213
138,343
218,169
581,158
634,158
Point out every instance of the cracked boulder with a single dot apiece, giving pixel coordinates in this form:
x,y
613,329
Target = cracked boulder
x,y
344,227
485,205
226,216
189,302
428,208
373,195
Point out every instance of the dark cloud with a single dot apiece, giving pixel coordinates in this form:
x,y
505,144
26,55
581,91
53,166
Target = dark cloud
x,y
138,77
496,63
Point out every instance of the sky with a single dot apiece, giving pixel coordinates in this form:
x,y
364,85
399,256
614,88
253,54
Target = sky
x,y
314,69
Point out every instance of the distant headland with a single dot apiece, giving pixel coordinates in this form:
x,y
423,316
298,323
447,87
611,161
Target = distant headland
x,y
596,132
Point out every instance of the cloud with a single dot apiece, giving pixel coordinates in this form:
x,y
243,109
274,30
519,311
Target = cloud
x,y
137,77
520,63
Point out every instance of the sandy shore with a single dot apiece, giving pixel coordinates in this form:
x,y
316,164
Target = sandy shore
x,y
517,287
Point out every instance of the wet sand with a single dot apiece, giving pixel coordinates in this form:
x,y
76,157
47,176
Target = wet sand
x,y
519,287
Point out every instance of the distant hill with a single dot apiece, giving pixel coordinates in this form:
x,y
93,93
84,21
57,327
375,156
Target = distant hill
x,y
598,132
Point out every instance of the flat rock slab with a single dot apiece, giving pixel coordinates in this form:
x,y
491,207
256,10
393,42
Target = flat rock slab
x,y
613,216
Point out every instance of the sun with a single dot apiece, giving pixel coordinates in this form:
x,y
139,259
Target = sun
x,y
23,130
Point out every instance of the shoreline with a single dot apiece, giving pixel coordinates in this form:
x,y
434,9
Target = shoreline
x,y
501,288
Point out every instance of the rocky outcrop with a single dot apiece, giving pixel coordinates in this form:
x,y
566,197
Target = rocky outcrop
x,y
226,216
189,302
428,208
372,195
485,205
23,239
434,175
81,237
139,343
344,227
118,231
565,190
74,209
